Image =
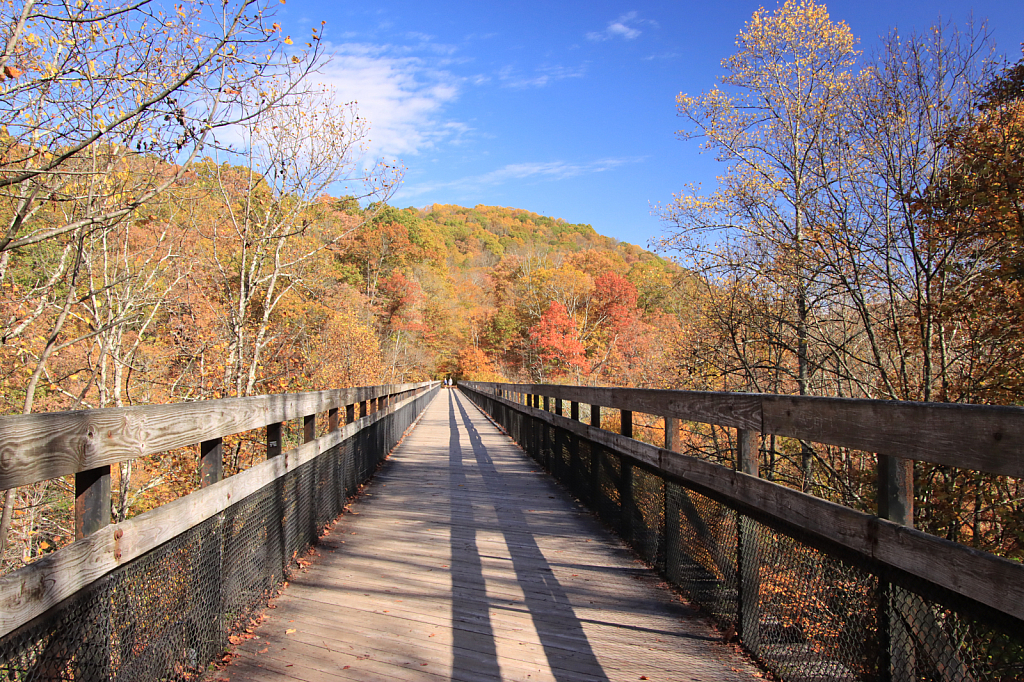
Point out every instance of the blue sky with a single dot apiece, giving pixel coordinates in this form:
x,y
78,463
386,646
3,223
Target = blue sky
x,y
565,109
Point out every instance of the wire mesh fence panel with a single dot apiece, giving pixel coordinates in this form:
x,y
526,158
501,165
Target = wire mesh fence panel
x,y
605,475
934,634
69,644
702,559
167,614
647,523
816,616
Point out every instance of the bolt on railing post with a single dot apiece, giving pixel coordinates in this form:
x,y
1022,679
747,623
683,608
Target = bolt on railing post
x,y
92,501
748,550
895,503
211,461
627,505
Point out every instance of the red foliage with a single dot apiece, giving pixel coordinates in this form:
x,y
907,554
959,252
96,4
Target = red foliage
x,y
557,340
616,300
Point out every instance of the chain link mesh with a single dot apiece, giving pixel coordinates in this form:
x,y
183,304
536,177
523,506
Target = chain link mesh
x,y
169,613
809,613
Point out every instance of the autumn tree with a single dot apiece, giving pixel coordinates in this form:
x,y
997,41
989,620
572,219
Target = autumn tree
x,y
977,204
103,108
556,338
779,101
263,241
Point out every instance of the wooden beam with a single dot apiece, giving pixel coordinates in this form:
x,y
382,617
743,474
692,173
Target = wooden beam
x,y
308,428
979,437
274,443
748,550
38,447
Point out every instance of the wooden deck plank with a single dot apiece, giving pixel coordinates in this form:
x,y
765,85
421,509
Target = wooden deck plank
x,y
462,561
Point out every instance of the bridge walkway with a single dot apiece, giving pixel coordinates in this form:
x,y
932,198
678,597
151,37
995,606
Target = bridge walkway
x,y
463,561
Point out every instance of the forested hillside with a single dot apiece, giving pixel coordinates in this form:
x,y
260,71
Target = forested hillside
x,y
176,306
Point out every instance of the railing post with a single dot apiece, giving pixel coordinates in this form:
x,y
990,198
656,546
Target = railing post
x,y
559,445
627,505
896,503
308,428
748,550
595,460
364,408
211,461
574,448
350,413
332,419
92,501
545,441
92,513
273,440
673,508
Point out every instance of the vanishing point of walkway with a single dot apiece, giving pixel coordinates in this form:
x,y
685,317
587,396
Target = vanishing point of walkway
x,y
464,561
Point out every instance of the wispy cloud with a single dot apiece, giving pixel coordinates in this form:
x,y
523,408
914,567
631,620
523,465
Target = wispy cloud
x,y
661,55
510,77
545,171
401,94
624,27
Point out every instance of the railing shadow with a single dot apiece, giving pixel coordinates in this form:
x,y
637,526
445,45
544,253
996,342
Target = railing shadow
x,y
552,613
473,652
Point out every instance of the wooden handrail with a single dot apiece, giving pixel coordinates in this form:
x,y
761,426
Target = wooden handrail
x,y
39,447
980,437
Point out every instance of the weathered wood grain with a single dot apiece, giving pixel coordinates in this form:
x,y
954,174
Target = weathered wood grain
x,y
983,577
981,437
33,589
38,447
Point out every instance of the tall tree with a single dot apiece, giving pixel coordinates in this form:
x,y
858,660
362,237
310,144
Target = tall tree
x,y
779,103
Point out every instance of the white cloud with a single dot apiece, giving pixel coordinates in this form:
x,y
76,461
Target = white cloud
x,y
623,27
402,95
548,171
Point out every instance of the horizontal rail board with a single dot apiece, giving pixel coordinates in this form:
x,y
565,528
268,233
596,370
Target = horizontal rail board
x,y
34,589
39,447
739,410
983,577
978,437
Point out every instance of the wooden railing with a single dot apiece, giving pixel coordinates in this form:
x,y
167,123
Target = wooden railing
x,y
86,443
980,438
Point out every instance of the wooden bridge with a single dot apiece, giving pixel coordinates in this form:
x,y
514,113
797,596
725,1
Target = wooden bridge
x,y
466,559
